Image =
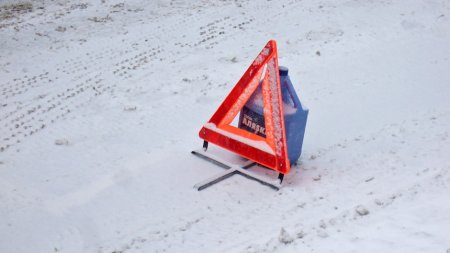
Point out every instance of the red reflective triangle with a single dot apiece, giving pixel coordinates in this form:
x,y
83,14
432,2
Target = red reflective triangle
x,y
272,150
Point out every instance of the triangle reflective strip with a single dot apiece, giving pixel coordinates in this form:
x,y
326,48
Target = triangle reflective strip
x,y
272,150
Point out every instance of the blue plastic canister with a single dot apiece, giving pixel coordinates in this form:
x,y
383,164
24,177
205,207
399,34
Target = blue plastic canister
x,y
251,117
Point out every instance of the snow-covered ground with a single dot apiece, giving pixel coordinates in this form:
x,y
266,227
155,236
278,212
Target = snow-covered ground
x,y
101,103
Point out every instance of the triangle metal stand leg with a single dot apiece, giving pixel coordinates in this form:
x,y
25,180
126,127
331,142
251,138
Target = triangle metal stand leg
x,y
281,176
232,169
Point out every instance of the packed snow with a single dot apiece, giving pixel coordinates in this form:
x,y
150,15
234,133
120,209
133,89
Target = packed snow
x,y
101,103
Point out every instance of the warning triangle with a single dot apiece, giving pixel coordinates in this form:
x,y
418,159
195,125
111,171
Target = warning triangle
x,y
272,150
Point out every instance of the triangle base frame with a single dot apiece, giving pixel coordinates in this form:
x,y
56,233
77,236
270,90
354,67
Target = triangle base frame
x,y
231,170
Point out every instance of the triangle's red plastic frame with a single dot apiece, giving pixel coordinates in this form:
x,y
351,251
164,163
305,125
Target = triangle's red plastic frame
x,y
272,150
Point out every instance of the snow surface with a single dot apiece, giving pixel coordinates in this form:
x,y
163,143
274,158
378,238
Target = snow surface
x,y
101,103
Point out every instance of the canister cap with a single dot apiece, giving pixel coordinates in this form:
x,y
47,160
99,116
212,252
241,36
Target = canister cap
x,y
283,70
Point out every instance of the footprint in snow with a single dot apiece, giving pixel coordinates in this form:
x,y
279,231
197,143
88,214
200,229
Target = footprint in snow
x,y
361,210
285,237
61,142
